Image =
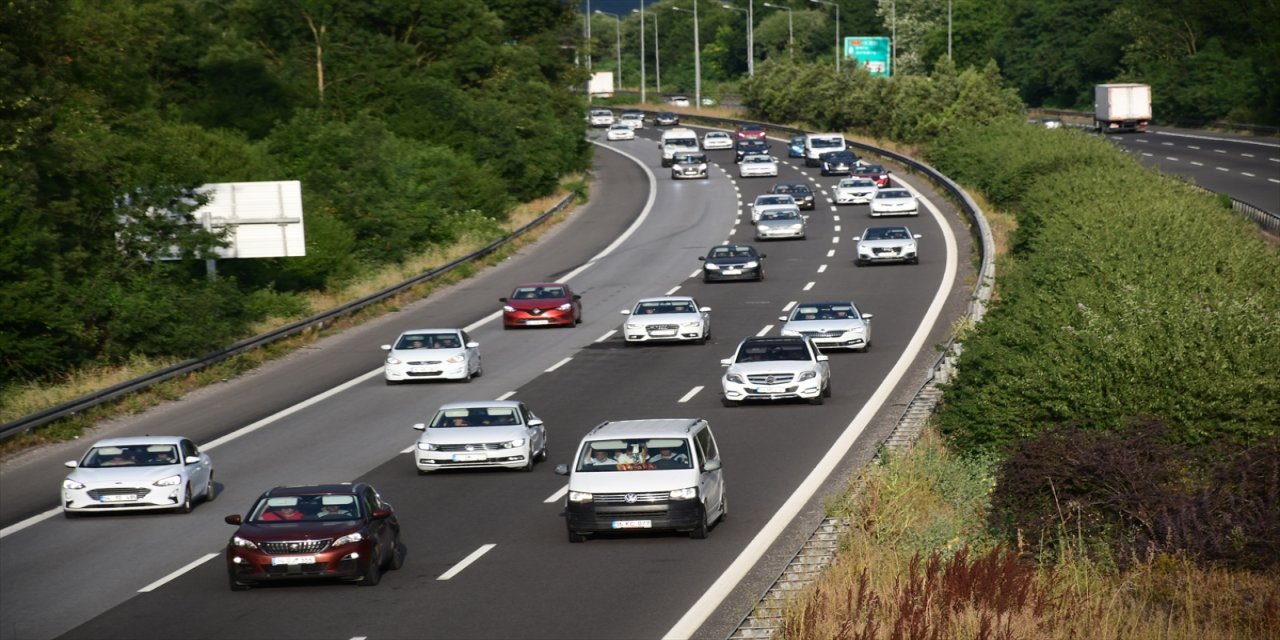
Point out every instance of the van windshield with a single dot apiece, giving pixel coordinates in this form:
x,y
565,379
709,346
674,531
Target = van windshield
x,y
825,143
681,142
639,454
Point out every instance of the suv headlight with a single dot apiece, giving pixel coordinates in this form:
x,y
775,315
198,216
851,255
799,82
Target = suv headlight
x,y
790,332
512,444
348,539
580,496
632,326
168,482
72,484
808,375
242,543
691,324
427,446
735,378
688,493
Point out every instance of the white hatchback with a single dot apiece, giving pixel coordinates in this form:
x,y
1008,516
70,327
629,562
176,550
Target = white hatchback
x,y
758,166
432,354
138,473
894,202
717,140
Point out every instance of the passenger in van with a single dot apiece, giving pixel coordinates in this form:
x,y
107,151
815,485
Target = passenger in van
x,y
668,459
600,458
624,458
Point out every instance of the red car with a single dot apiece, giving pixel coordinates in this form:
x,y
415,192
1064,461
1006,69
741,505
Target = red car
x,y
541,304
873,172
343,531
750,132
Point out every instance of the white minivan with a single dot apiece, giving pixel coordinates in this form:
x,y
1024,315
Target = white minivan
x,y
677,141
660,474
816,144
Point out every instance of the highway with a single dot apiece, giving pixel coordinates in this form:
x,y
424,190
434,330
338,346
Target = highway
x,y
488,555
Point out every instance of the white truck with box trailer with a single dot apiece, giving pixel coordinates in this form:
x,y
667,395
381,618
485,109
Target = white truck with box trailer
x,y
601,84
1121,107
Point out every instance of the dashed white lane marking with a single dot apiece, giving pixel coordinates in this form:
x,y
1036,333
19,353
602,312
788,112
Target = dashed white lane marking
x,y
1246,173
173,576
466,562
765,331
1171,158
822,268
696,273
1247,155
837,229
506,395
609,333
1223,169
672,290
1198,164
555,497
692,392
831,253
809,286
558,364
835,240
787,309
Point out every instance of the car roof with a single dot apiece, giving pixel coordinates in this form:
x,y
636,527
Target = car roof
x,y
312,489
644,428
138,440
435,330
480,404
815,303
666,299
772,340
540,284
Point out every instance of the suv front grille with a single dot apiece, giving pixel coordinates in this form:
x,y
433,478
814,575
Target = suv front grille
x,y
293,547
771,378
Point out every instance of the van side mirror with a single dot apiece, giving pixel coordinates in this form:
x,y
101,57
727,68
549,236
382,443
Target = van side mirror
x,y
711,465
562,469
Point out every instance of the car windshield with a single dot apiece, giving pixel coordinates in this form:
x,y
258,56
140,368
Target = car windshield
x,y
773,351
887,233
730,252
141,455
892,193
690,159
825,311
775,199
635,454
537,293
476,417
308,508
681,142
871,168
411,341
839,156
758,159
664,306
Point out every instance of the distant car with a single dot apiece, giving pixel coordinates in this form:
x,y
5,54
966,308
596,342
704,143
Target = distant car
x,y
541,304
874,172
678,101
632,118
732,262
688,165
666,119
601,117
750,132
855,191
620,131
708,102
771,201
894,202
782,368
800,191
1051,123
137,474
667,319
831,325
887,244
717,140
795,148
785,223
432,354
758,166
344,531
838,163
484,433
747,147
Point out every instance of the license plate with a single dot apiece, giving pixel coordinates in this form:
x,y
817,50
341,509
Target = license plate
x,y
766,390
421,369
469,457
732,272
662,333
120,498
536,321
292,560
632,524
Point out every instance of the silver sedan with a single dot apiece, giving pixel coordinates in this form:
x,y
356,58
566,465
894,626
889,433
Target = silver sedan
x,y
781,223
831,325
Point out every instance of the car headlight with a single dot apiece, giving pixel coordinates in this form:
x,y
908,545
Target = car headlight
x,y
242,543
580,496
808,375
72,484
692,324
348,539
857,329
456,359
564,307
751,265
168,482
512,444
633,327
688,493
735,378
392,360
710,266
508,308
790,332
427,446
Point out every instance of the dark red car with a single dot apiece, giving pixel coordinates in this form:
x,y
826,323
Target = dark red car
x,y
345,531
539,304
750,132
873,172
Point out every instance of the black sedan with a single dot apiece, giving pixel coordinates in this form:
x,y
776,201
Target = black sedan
x,y
838,163
666,119
732,262
800,191
749,147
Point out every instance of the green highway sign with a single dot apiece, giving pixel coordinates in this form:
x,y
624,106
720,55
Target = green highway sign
x,y
871,53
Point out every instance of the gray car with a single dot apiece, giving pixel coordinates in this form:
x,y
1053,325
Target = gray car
x,y
781,223
831,324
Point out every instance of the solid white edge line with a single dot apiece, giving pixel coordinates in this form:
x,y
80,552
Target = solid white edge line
x,y
33,520
217,442
1199,137
765,331
751,554
558,365
607,335
173,576
1246,173
692,392
555,497
475,555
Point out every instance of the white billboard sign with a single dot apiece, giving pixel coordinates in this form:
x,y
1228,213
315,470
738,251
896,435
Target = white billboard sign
x,y
261,219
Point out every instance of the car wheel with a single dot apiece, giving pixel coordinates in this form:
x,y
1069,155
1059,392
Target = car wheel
x,y
576,537
479,369
185,507
528,465
397,558
372,572
210,492
724,506
728,403
700,532
915,261
826,391
860,263
236,585
703,339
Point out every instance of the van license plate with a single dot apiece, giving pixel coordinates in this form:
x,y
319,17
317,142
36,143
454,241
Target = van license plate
x,y
632,524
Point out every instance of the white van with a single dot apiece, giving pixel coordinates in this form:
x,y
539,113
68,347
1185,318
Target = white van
x,y
816,144
676,141
661,474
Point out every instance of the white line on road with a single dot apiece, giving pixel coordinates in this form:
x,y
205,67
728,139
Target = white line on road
x,y
837,229
765,331
696,273
555,497
1247,155
1198,164
831,253
835,240
787,309
1223,169
692,392
457,568
608,334
822,268
558,364
1246,173
173,576
672,290
1171,158
809,286
506,395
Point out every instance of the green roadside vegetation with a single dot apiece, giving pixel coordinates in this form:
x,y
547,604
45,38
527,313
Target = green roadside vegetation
x,y
1106,462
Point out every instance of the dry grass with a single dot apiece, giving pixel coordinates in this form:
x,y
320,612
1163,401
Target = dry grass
x,y
34,397
899,576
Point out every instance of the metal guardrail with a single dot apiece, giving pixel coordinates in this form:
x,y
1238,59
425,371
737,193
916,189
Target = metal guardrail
x,y
34,421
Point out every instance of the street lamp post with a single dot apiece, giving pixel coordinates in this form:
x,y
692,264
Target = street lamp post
x,y
948,29
697,58
838,52
657,62
791,32
618,43
642,78
751,37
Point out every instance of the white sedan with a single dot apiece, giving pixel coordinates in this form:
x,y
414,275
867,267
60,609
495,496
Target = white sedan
x,y
758,166
485,433
667,319
894,202
772,202
432,354
887,244
831,325
855,191
620,132
717,140
140,473
633,119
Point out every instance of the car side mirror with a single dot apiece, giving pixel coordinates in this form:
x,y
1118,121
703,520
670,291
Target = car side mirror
x,y
868,316
626,312
763,256
917,236
702,257
711,465
726,362
386,347
191,460
536,422
823,357
782,318
381,514
562,469
577,297
420,426
502,299
70,464
704,309
473,345
857,238
233,519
